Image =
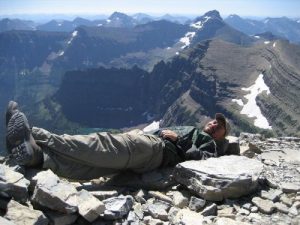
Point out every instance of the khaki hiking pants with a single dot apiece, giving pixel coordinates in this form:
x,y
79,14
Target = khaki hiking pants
x,y
98,154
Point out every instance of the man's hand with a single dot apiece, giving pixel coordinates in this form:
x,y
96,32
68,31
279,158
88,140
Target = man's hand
x,y
168,134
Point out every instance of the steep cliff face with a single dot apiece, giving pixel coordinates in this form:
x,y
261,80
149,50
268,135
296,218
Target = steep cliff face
x,y
234,68
115,98
191,88
110,98
283,79
24,50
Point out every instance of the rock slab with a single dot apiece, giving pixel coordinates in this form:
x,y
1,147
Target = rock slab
x,y
117,207
22,215
89,207
53,193
264,205
215,179
13,184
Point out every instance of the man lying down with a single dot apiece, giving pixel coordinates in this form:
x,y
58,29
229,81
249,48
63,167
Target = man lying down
x,y
99,154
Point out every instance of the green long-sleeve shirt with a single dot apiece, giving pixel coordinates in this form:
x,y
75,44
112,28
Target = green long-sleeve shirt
x,y
192,144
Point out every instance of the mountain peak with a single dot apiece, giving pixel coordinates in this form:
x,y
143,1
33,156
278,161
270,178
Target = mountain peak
x,y
213,14
118,15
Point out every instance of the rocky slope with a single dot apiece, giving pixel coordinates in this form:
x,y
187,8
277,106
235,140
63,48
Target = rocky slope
x,y
259,186
192,87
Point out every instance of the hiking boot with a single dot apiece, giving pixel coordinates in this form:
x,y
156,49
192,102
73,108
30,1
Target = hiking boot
x,y
21,143
27,154
12,108
18,129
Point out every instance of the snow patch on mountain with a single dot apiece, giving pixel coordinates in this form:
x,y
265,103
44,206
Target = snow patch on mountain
x,y
200,24
74,34
267,42
61,53
251,109
238,101
274,44
186,40
188,37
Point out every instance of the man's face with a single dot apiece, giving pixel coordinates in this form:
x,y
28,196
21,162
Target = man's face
x,y
216,129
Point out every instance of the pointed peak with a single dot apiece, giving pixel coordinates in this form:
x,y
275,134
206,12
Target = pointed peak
x,y
213,14
118,15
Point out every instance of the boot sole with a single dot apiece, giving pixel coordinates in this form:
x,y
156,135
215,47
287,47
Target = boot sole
x,y
18,129
11,109
23,154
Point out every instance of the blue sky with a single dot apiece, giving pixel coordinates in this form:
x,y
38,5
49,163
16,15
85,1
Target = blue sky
x,y
263,8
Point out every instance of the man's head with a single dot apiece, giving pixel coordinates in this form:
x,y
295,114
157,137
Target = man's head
x,y
217,128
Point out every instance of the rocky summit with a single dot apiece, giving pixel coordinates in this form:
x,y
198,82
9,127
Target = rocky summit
x,y
260,185
220,178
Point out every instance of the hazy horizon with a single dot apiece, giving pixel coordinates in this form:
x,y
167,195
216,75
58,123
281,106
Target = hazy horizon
x,y
25,9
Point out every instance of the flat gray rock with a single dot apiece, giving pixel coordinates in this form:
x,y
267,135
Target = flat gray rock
x,y
215,179
117,207
89,207
20,214
13,184
53,193
158,210
264,205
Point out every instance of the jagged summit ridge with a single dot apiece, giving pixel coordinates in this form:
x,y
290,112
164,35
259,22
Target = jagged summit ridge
x,y
116,15
214,14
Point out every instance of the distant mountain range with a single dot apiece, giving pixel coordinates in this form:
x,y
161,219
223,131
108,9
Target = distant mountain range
x,y
117,19
283,27
125,74
16,24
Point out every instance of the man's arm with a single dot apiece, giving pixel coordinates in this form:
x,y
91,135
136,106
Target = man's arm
x,y
169,134
204,151
190,150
